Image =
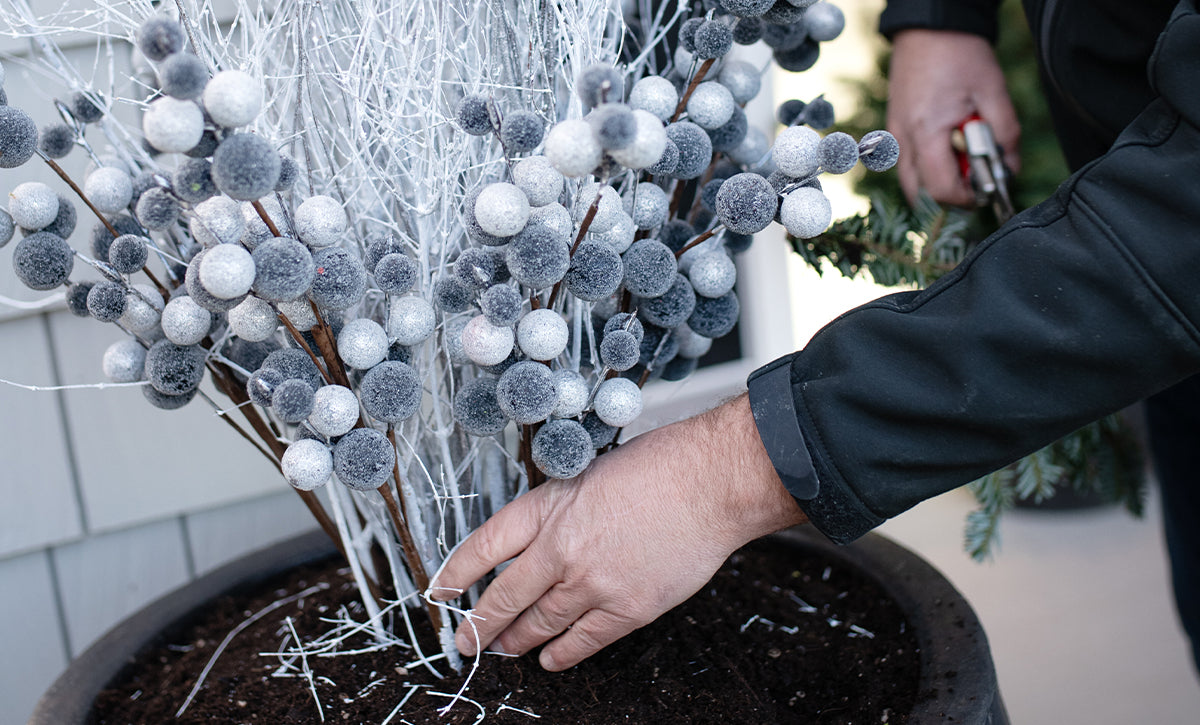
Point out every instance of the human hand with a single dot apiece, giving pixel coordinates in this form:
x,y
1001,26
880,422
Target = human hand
x,y
938,79
644,528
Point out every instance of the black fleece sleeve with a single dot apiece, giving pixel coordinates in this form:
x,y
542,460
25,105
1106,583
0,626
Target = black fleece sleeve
x,y
1077,308
968,16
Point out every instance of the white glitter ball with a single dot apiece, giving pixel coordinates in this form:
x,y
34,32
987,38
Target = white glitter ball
x,y
805,212
321,221
362,344
233,98
124,361
173,126
335,410
572,393
752,149
410,320
307,464
656,95
502,209
542,334
648,206
618,402
109,189
572,148
253,320
33,205
649,141
691,343
484,343
710,105
184,322
620,236
555,217
795,151
742,79
217,220
540,181
141,316
299,313
713,274
227,271
608,211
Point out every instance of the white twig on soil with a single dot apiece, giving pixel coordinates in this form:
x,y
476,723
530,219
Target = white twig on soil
x,y
306,670
516,709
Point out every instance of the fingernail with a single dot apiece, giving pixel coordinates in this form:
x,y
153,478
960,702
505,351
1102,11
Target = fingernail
x,y
547,661
465,644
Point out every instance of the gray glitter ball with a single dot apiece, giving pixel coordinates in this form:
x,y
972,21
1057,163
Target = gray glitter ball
x,y
249,355
783,38
284,269
838,152
56,140
748,31
292,400
501,304
396,273
608,207
670,309
618,401
614,124
411,320
795,151
476,409
43,261
596,271
602,433
128,253
289,172
184,322
501,209
526,392
885,152
669,161
675,234
106,301
695,149
620,350
87,107
451,294
7,228
158,37
800,58
163,401
474,231
473,115
824,21
687,33
620,236
183,75
340,280
625,321
77,298
379,245
805,212
541,182
650,268
245,166
521,131
751,149
648,206
172,126
124,361
656,95
538,258
746,203
193,181
294,364
157,209
713,39
599,84
33,205
102,239
790,111
18,137
261,385
747,8
819,114
475,267
715,317
572,393
784,12
174,369
362,344
391,392
562,449
712,274
363,459
729,136
64,222
205,146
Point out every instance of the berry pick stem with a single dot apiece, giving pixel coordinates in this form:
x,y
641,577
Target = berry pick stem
x,y
583,228
687,94
262,214
399,516
698,239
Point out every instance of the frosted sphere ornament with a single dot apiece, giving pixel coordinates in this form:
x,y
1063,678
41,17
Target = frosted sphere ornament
x,y
411,320
618,402
742,79
473,115
713,274
648,206
192,181
746,203
140,316
33,205
391,391
502,209
715,316
174,369
838,152
599,83
335,410
184,322
883,150
56,140
246,167
710,105
572,393
217,220
596,271
172,125
608,207
183,75
307,464
695,149
109,189
572,148
158,38
620,350
362,344
124,361
538,178
321,221
452,340
18,137
713,39
501,304
553,218
340,280
157,209
751,149
650,268
521,131
299,313
476,409
691,345
396,273
486,344
795,151
542,334
656,95
614,125
363,459
526,392
293,400
620,236
253,320
538,258
805,212
233,98
562,449
649,142
283,270
673,307
43,261
257,230
7,228
824,21
227,271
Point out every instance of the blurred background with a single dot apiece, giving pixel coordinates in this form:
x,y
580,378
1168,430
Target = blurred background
x,y
109,503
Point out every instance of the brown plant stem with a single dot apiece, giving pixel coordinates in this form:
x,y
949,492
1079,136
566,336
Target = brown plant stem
x,y
262,214
304,345
323,334
399,516
687,94
583,228
699,239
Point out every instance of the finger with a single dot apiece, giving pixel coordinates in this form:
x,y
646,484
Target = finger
x,y
547,617
524,582
938,171
593,631
906,169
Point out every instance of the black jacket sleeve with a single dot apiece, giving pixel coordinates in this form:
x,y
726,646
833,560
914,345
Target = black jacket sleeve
x,y
968,16
1077,308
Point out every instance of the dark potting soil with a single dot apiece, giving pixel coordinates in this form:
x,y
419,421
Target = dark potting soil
x,y
770,640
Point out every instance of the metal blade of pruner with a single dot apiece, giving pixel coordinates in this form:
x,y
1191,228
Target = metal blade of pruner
x,y
981,163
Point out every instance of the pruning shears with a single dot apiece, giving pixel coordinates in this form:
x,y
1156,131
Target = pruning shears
x,y
981,163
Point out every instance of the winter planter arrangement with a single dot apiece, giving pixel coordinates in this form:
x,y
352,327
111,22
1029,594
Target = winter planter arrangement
x,y
430,252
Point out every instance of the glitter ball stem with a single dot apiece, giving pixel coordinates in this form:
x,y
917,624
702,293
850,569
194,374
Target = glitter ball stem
x,y
328,346
698,239
304,346
266,218
583,229
399,516
687,94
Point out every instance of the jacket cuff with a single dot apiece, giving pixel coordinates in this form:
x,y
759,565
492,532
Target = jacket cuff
x,y
831,506
969,16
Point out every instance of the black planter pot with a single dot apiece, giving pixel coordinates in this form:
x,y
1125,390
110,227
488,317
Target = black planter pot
x,y
958,678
